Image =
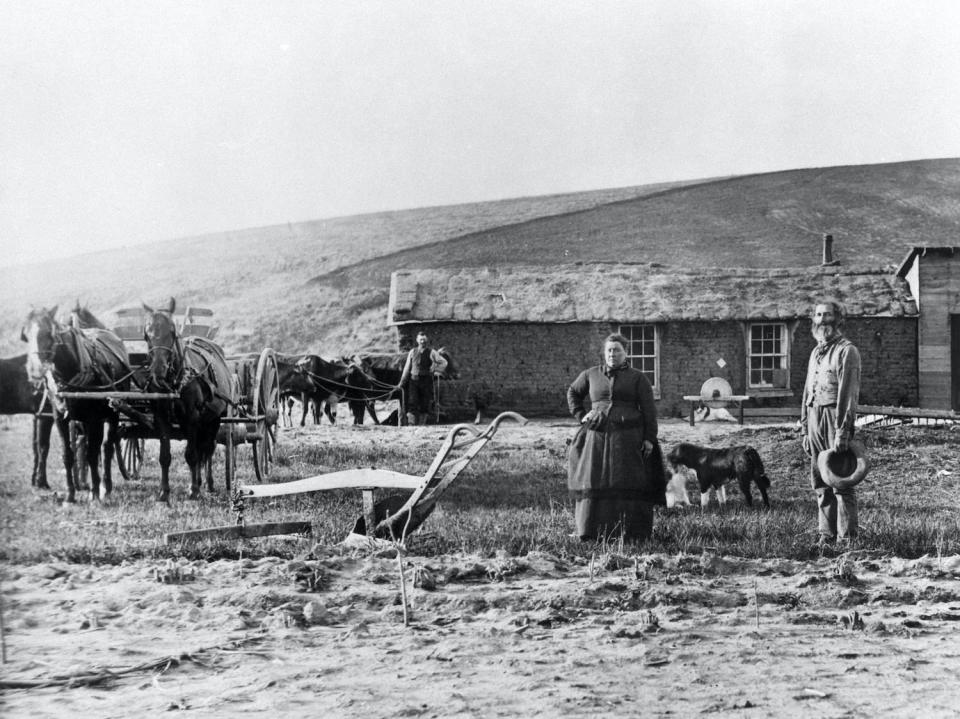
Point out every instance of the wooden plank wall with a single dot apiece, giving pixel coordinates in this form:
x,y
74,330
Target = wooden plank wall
x,y
939,284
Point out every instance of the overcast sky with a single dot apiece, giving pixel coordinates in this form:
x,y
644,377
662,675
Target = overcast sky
x,y
132,121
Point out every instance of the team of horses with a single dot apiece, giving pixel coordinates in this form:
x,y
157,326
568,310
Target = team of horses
x,y
19,395
66,360
73,371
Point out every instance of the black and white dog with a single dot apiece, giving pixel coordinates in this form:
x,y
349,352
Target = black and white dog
x,y
715,466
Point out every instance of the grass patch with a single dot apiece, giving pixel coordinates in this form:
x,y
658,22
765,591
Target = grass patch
x,y
512,498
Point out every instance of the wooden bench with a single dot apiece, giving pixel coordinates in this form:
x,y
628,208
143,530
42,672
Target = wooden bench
x,y
784,413
888,415
695,399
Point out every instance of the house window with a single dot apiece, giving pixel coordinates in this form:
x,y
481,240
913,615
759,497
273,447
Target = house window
x,y
643,344
769,355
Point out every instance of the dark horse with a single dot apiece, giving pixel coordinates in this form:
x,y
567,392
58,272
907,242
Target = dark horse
x,y
19,395
194,368
69,359
83,319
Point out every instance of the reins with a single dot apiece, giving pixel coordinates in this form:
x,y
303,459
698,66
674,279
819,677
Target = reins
x,y
326,380
368,397
375,384
378,383
178,374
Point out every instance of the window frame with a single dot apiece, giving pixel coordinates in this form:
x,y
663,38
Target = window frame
x,y
785,353
627,331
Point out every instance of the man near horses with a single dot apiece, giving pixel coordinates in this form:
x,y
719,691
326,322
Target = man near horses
x,y
423,363
827,416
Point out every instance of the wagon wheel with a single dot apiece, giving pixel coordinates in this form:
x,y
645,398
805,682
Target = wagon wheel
x,y
229,446
266,397
129,451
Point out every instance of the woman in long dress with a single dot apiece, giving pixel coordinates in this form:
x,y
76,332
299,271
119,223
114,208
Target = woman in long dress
x,y
615,473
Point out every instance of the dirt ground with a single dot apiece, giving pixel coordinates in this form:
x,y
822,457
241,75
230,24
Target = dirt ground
x,y
537,635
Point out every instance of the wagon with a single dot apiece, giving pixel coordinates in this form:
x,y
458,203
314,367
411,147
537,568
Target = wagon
x,y
252,409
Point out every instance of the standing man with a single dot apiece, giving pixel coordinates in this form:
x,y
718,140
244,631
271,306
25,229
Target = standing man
x,y
423,362
828,414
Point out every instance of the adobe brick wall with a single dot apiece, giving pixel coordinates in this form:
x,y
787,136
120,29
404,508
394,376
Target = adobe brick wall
x,y
521,367
527,367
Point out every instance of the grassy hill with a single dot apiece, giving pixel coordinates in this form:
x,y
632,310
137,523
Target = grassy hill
x,y
256,279
322,286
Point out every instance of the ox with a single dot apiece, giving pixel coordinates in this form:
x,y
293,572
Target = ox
x,y
332,381
296,382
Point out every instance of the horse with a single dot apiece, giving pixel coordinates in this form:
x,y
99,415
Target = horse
x,y
196,371
78,360
384,372
19,395
83,319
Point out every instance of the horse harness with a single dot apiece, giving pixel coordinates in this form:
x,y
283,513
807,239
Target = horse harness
x,y
184,373
95,365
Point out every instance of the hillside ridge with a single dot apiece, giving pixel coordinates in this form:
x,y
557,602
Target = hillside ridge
x,y
335,276
323,285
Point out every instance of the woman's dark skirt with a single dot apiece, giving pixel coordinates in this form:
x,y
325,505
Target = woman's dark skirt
x,y
613,485
610,519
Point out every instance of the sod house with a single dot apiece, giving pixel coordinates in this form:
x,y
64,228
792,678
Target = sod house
x,y
521,335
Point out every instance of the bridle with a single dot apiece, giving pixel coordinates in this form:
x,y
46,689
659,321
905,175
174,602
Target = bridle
x,y
89,370
45,357
172,363
56,339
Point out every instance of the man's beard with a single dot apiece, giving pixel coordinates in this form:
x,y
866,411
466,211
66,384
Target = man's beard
x,y
824,332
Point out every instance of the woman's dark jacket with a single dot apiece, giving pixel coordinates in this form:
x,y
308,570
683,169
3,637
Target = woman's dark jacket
x,y
606,456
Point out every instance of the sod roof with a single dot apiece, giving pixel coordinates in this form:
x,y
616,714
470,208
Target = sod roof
x,y
639,293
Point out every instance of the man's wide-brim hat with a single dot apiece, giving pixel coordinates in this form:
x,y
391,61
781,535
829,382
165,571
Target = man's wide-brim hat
x,y
842,470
